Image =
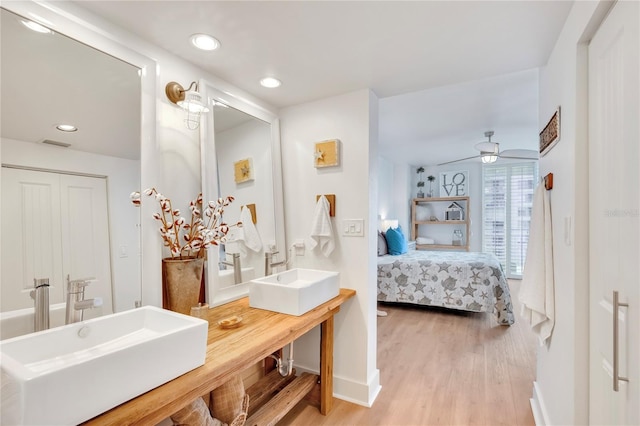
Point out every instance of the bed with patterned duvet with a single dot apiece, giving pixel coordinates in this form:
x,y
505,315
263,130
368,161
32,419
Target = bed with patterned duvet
x,y
467,281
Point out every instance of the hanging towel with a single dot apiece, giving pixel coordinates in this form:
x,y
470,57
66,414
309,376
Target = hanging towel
x,y
246,236
537,288
235,242
251,237
321,230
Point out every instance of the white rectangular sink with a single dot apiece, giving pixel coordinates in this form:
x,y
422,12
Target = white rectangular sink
x,y
295,291
69,374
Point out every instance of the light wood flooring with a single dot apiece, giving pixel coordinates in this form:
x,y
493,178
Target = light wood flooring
x,y
442,367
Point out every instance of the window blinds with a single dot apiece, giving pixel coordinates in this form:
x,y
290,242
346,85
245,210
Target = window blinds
x,y
506,213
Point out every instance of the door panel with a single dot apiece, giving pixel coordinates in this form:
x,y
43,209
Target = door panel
x,y
54,226
85,242
614,159
30,237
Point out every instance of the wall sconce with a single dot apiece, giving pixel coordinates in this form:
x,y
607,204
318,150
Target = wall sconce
x,y
189,100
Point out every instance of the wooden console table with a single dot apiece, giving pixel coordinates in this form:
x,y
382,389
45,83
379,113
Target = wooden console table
x,y
231,351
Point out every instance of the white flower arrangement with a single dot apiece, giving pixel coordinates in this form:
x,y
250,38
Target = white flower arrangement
x,y
194,237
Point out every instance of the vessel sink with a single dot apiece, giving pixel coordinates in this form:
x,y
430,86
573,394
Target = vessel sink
x,y
69,374
295,291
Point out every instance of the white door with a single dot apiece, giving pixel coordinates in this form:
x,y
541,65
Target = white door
x,y
54,226
614,216
31,237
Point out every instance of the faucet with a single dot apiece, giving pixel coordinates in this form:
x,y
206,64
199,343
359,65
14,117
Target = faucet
x,y
76,303
237,269
269,264
40,295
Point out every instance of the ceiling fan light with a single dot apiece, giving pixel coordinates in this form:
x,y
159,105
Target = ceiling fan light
x,y
489,158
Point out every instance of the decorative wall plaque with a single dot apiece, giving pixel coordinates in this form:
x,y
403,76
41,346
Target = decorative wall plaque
x,y
550,135
326,153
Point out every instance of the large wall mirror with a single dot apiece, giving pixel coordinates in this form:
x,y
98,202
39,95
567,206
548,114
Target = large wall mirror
x,y
241,158
66,213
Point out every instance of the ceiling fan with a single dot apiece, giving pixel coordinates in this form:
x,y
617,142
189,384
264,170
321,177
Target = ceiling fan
x,y
490,152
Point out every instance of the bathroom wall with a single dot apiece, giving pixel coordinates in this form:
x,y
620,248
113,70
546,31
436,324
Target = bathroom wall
x,y
351,118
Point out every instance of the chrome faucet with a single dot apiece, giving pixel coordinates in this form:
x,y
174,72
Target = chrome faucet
x,y
40,295
237,269
269,264
76,303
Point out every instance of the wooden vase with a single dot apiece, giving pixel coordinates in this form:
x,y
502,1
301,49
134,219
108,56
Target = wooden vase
x,y
181,283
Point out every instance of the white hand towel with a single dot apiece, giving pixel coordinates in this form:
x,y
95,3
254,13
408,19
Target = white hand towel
x,y
251,237
537,288
235,242
321,230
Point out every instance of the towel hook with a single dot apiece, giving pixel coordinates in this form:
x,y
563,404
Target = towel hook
x,y
331,198
548,181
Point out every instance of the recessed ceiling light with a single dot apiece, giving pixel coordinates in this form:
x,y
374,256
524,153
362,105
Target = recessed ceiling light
x,y
66,128
34,26
270,82
204,42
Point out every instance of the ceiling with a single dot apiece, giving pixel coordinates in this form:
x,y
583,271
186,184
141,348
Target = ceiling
x,y
325,48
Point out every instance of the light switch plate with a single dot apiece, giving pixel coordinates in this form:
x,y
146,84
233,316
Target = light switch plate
x,y
353,227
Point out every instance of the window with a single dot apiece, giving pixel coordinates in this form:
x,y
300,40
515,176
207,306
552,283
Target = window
x,y
507,199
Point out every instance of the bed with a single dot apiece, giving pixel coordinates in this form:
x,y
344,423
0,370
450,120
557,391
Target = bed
x,y
458,280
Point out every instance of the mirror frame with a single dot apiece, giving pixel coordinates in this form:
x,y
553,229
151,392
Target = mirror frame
x,y
74,22
217,295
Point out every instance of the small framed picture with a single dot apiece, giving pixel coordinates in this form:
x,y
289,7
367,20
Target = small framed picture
x,y
550,135
326,153
243,170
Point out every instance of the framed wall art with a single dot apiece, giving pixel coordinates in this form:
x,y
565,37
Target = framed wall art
x,y
550,135
243,170
327,153
454,184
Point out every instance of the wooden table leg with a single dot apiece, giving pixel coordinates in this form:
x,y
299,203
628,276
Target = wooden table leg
x,y
326,366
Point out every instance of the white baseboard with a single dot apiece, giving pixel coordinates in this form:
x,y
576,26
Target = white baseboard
x,y
540,415
348,390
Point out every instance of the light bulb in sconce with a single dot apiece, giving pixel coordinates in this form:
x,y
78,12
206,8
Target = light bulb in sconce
x,y
189,100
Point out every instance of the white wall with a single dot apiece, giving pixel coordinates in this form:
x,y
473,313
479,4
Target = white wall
x,y
351,118
561,392
393,192
123,177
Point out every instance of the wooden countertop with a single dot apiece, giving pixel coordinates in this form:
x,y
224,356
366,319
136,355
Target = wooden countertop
x,y
228,351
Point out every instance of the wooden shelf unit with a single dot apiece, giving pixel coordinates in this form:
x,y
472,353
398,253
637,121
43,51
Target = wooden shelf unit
x,y
415,224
